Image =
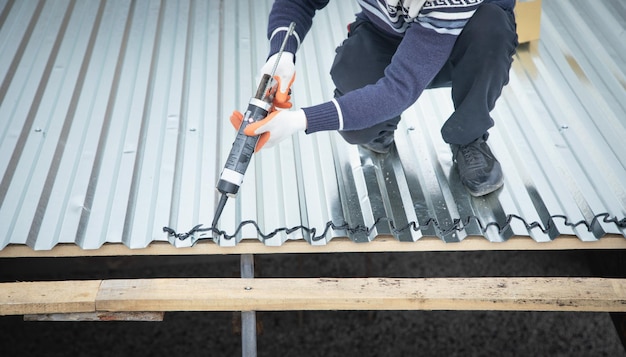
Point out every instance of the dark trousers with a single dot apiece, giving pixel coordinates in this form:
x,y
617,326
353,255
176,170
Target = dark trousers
x,y
477,70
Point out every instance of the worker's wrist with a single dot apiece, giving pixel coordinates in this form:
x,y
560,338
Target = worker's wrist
x,y
277,39
321,117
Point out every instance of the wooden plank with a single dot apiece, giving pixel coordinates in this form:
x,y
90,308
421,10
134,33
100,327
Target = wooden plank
x,y
43,297
99,316
159,295
528,294
337,245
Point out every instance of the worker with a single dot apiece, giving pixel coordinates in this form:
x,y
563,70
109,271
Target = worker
x,y
394,50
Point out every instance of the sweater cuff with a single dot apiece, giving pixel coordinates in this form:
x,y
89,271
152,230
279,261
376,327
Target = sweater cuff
x,y
277,40
322,117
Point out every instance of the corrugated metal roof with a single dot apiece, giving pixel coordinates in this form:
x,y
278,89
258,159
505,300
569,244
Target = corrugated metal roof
x,y
113,124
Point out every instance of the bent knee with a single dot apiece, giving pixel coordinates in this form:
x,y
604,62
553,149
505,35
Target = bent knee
x,y
492,26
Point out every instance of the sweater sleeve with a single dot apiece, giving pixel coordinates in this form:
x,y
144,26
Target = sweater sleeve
x,y
283,13
419,57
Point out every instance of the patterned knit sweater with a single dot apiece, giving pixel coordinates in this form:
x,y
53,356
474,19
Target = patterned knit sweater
x,y
428,29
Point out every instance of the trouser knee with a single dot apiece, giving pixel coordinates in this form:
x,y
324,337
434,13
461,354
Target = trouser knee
x,y
490,34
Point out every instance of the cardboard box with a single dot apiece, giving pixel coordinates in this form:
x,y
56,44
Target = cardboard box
x,y
528,17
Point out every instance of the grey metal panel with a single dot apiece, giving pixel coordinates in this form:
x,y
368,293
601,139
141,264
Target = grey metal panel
x,y
113,124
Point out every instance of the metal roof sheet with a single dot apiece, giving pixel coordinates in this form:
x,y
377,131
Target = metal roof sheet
x,y
113,124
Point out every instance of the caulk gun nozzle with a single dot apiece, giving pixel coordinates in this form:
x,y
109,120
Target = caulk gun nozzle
x,y
218,213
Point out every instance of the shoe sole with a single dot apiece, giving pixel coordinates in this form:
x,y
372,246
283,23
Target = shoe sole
x,y
377,151
486,190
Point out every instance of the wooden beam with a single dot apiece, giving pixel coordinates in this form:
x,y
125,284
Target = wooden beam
x,y
529,294
99,316
216,294
337,245
46,297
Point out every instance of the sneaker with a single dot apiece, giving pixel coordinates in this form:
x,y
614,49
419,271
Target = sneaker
x,y
479,170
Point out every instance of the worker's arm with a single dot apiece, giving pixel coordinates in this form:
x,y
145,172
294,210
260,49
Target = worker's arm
x,y
418,59
283,13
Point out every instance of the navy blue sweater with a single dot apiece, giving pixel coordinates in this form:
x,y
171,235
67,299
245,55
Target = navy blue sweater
x,y
428,29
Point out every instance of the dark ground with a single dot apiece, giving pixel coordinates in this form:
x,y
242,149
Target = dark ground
x,y
330,333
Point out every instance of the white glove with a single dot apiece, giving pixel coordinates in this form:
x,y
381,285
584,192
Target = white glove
x,y
285,75
279,124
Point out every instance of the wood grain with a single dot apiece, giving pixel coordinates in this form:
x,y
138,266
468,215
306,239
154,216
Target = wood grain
x,y
43,297
536,294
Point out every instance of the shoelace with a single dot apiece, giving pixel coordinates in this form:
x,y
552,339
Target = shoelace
x,y
474,158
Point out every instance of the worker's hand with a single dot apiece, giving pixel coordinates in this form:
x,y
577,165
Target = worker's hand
x,y
280,125
236,119
285,75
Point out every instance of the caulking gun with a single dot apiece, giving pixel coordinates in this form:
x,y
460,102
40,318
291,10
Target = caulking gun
x,y
241,152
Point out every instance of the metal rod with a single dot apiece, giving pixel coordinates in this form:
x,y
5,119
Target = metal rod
x,y
248,318
292,26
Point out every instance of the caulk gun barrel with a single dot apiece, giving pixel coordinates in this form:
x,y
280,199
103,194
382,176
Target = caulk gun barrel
x,y
242,150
